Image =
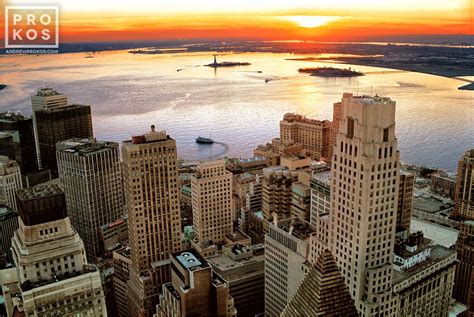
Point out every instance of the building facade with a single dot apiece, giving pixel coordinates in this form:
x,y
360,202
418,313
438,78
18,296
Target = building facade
x,y
54,276
194,291
286,262
56,121
443,184
277,194
364,197
150,177
10,181
313,135
212,202
464,210
121,262
8,226
91,175
405,201
23,140
423,277
242,269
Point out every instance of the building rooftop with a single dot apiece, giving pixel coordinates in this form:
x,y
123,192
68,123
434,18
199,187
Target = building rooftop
x,y
322,177
370,100
6,163
47,92
85,147
28,285
190,260
6,212
444,236
39,191
12,116
292,117
63,108
150,137
438,253
237,236
297,227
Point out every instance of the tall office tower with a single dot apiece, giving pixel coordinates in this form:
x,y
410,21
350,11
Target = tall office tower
x,y
212,202
405,201
21,128
242,269
364,197
8,225
277,194
464,209
57,121
10,181
286,262
45,99
194,291
54,277
121,260
152,202
322,292
91,175
314,135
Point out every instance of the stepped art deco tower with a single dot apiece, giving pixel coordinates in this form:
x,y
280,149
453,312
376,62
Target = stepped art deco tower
x,y
364,197
151,197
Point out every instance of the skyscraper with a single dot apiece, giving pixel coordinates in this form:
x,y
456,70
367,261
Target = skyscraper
x,y
54,277
364,197
21,129
57,121
152,203
91,175
464,210
212,202
10,181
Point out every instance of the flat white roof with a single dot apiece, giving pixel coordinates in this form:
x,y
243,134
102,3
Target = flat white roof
x,y
439,234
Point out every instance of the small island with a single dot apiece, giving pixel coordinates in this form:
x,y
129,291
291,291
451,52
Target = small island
x,y
3,86
215,64
330,72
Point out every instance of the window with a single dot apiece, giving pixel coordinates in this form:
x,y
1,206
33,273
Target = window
x,y
350,128
385,135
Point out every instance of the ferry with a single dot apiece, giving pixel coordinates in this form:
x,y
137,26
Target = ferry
x,y
202,140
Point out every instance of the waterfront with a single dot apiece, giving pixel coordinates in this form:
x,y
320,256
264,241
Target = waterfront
x,y
239,106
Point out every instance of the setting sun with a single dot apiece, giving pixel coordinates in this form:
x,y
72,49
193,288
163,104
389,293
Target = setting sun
x,y
307,21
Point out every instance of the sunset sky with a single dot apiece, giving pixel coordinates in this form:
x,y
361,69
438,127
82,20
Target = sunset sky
x,y
334,20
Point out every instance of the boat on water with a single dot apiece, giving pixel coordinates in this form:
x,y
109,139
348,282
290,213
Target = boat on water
x,y
89,55
202,140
